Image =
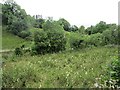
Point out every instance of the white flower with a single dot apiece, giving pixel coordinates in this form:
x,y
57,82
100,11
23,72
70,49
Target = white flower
x,y
40,86
96,85
92,68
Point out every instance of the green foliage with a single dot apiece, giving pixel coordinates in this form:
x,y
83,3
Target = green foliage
x,y
65,24
118,37
51,39
24,34
17,76
93,40
114,73
89,30
110,36
42,42
10,41
99,28
57,41
15,18
74,28
75,40
39,23
96,39
18,51
76,69
30,21
81,30
52,26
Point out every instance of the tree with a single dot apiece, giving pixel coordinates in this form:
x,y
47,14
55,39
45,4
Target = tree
x,y
39,23
14,17
74,28
52,26
89,30
42,42
81,30
100,27
30,21
65,24
109,37
56,36
51,39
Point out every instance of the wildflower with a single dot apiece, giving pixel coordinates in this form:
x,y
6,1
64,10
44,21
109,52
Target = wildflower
x,y
96,85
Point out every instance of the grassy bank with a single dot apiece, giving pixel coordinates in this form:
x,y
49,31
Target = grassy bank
x,y
10,41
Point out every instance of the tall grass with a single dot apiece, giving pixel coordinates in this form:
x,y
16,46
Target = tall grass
x,y
78,69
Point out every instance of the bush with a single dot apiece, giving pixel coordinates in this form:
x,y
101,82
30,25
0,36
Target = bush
x,y
75,41
51,39
94,39
57,41
18,52
24,34
115,72
97,39
42,42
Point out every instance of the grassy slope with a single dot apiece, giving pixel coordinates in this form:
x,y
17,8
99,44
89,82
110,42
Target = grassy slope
x,y
81,68
10,41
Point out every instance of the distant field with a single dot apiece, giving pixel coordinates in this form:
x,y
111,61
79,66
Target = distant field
x,y
10,41
82,68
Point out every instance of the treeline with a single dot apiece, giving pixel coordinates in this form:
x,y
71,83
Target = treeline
x,y
57,35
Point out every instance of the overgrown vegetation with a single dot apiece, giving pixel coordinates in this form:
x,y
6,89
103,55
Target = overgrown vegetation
x,y
69,69
50,52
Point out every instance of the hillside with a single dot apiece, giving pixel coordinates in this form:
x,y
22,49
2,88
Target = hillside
x,y
10,41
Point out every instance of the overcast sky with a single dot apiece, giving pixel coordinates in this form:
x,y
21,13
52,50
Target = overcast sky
x,y
77,12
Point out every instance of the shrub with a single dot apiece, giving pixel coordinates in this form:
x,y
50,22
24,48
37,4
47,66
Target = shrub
x,y
18,52
115,72
24,34
97,39
42,42
51,39
57,41
86,41
75,41
94,39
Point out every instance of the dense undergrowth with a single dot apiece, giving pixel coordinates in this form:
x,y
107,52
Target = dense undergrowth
x,y
72,69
